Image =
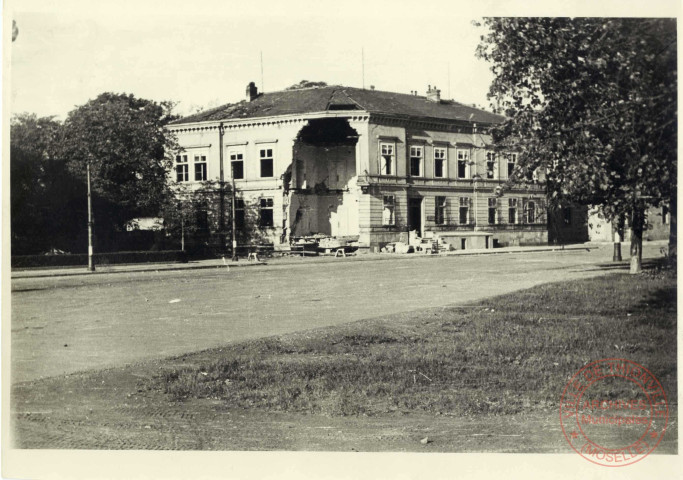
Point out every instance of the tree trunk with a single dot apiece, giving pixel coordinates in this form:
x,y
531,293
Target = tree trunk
x,y
637,224
672,225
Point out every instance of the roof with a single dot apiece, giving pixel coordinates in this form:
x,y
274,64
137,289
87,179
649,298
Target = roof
x,y
320,99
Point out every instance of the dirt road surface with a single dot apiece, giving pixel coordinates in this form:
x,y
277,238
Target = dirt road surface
x,y
67,324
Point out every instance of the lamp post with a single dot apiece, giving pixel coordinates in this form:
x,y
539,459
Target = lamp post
x,y
91,264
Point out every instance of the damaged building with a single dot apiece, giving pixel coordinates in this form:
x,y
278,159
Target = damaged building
x,y
372,166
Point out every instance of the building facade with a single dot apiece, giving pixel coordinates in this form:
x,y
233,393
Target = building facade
x,y
365,164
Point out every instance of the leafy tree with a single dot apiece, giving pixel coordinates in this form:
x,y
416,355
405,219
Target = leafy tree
x,y
306,84
130,154
192,219
592,102
43,193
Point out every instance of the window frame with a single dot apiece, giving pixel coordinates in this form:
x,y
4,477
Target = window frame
x,y
494,170
465,161
268,207
440,209
511,159
266,157
418,149
464,203
493,208
186,170
389,206
443,160
392,165
236,152
513,204
240,214
203,165
531,207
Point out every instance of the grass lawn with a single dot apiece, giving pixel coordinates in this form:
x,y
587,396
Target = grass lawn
x,y
507,355
485,377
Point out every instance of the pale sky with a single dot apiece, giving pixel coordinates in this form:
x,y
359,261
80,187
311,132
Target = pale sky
x,y
204,52
206,56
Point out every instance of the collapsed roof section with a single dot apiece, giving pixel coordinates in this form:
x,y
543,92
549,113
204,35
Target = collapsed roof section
x,y
330,98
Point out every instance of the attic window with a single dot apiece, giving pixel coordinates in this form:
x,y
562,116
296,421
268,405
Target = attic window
x,y
343,106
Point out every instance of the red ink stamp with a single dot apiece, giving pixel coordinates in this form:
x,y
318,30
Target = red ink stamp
x,y
613,412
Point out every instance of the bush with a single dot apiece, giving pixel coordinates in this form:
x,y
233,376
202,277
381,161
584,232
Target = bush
x,y
28,261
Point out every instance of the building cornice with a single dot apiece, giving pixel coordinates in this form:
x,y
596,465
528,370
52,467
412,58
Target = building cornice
x,y
354,116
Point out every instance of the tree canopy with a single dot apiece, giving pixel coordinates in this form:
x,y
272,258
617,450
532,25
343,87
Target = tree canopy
x,y
593,103
306,84
129,151
43,192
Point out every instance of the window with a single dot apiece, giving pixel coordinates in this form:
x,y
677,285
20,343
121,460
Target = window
x,y
416,155
512,161
237,165
199,168
530,211
181,168
493,210
239,215
463,157
567,215
464,214
440,211
387,157
491,165
266,155
265,212
440,162
512,210
388,210
202,217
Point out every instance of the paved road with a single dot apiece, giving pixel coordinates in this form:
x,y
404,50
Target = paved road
x,y
67,324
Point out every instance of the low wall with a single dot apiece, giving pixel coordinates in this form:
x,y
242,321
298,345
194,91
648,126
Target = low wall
x,y
46,261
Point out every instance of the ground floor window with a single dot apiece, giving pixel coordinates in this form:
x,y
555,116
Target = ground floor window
x,y
240,217
530,211
512,210
440,211
493,210
464,212
266,212
389,202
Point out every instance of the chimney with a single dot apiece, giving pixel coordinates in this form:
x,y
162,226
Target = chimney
x,y
433,94
252,91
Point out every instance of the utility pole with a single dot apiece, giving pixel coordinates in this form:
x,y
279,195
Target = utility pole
x,y
221,214
91,264
234,197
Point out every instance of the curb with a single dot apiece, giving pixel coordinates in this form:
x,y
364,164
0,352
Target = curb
x,y
18,275
134,270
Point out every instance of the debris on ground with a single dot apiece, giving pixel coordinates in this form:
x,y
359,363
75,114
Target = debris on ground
x,y
175,300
